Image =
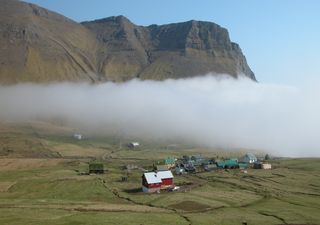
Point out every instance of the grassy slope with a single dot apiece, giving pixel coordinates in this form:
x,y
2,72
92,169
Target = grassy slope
x,y
50,187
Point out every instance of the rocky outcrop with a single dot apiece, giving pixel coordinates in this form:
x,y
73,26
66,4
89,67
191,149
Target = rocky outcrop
x,y
38,45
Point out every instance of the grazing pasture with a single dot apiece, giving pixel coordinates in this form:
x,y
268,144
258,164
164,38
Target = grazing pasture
x,y
43,181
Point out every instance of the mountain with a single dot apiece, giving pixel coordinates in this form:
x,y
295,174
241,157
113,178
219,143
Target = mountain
x,y
38,45
167,51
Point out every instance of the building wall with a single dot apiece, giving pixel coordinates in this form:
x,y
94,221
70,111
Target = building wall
x,y
145,184
266,166
167,182
150,190
156,185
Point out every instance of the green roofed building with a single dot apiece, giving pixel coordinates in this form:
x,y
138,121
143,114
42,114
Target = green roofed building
x,y
96,167
228,163
249,158
170,161
166,163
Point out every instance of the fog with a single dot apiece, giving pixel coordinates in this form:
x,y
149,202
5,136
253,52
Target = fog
x,y
205,111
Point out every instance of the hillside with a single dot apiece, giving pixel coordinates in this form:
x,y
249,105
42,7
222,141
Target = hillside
x,y
38,45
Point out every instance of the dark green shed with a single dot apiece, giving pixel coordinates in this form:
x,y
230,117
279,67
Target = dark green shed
x,y
96,167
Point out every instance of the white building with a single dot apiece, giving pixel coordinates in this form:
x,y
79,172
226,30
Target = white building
x,y
77,136
133,144
266,166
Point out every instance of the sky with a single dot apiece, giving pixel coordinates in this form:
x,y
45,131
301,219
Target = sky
x,y
280,38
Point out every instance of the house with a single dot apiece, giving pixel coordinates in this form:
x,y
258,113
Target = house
x,y
197,160
180,170
249,158
170,162
262,165
209,167
228,163
77,136
190,168
194,160
133,144
166,164
266,166
155,181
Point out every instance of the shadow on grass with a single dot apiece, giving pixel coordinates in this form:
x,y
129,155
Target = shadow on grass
x,y
133,190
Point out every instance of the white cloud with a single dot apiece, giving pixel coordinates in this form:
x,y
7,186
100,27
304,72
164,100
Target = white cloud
x,y
205,111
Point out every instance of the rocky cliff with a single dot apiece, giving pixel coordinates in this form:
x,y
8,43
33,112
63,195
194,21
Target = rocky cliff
x,y
167,51
38,45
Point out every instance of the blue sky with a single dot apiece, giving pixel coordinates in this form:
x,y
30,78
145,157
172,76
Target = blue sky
x,y
280,38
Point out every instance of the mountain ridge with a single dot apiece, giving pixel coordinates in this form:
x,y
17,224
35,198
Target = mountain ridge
x,y
43,46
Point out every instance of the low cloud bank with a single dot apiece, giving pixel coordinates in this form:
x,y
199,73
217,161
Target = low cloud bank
x,y
207,111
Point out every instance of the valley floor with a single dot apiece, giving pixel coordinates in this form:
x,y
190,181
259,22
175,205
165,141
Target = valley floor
x,y
40,183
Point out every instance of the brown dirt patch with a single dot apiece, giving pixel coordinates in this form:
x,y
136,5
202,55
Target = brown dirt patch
x,y
190,206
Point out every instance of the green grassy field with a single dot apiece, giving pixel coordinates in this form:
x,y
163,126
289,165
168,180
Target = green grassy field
x,y
40,184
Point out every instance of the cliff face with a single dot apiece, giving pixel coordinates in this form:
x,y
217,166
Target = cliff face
x,y
38,45
41,46
168,51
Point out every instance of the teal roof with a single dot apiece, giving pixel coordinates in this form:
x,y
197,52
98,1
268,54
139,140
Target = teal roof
x,y
227,162
251,156
169,160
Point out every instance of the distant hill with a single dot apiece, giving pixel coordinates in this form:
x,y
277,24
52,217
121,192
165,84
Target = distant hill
x,y
38,45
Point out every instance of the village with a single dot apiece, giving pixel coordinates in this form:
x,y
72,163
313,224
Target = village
x,y
79,178
160,176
